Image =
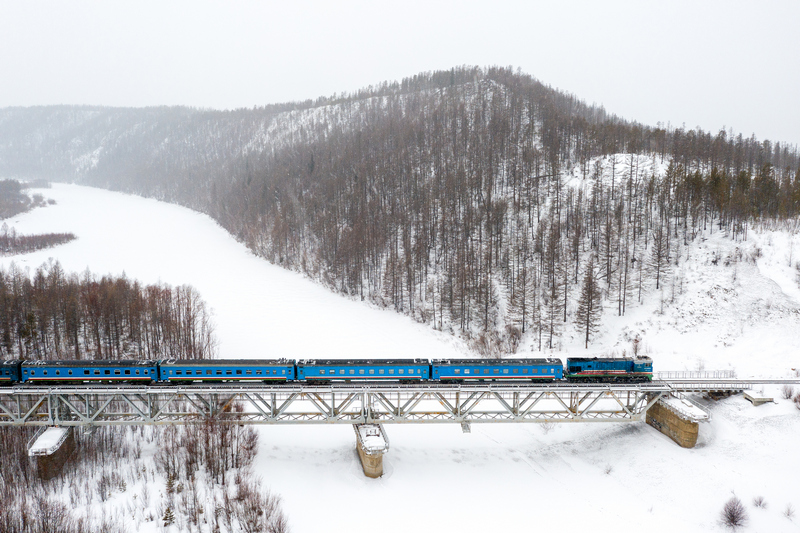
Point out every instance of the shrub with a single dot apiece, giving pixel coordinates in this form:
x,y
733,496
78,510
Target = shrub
x,y
760,502
787,392
734,514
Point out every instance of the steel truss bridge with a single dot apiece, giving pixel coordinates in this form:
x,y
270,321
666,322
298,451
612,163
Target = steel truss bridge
x,y
348,403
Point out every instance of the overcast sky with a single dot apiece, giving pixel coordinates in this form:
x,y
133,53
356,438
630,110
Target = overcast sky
x,y
699,63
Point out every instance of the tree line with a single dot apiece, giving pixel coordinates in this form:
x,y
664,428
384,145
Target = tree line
x,y
54,315
12,243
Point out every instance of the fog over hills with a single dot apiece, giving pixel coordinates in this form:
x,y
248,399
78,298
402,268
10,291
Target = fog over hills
x,y
480,201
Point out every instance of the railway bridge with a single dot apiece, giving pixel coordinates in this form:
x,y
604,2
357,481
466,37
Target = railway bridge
x,y
360,404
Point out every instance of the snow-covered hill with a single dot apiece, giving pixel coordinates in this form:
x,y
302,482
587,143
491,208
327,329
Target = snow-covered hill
x,y
733,304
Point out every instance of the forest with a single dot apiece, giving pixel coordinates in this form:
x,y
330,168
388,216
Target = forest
x,y
55,315
480,201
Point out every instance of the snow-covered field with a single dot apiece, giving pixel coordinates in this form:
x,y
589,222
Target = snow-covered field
x,y
587,477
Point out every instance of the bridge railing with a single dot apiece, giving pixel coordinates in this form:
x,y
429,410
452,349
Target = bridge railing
x,y
691,374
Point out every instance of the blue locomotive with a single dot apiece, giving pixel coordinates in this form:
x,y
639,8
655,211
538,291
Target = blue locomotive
x,y
186,371
609,370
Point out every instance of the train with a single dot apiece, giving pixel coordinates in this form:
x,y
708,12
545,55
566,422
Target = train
x,y
187,371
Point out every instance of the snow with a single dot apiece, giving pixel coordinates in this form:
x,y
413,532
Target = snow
x,y
48,442
500,477
372,438
685,407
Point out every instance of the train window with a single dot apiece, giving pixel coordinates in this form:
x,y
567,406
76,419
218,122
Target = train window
x,y
466,371
58,372
380,371
238,372
485,370
516,370
524,370
249,372
107,372
219,372
400,371
352,371
33,372
505,371
258,372
45,372
535,371
96,372
179,372
391,370
70,372
228,372
341,371
273,372
496,370
116,372
371,370
458,371
361,371
283,371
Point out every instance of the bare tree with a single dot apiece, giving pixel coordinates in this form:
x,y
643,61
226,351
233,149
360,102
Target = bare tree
x,y
734,515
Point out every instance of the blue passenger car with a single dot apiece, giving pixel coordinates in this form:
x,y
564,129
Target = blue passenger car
x,y
93,371
185,370
9,371
372,370
608,369
497,369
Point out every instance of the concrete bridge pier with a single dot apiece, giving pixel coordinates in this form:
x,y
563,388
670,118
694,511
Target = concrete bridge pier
x,y
678,419
371,443
51,447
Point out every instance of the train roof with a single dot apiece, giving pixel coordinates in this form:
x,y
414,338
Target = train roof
x,y
641,358
490,362
92,362
225,362
11,362
361,362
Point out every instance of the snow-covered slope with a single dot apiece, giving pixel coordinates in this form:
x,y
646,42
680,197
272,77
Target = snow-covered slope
x,y
588,477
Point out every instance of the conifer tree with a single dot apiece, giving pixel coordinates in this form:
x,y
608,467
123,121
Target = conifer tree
x,y
589,306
